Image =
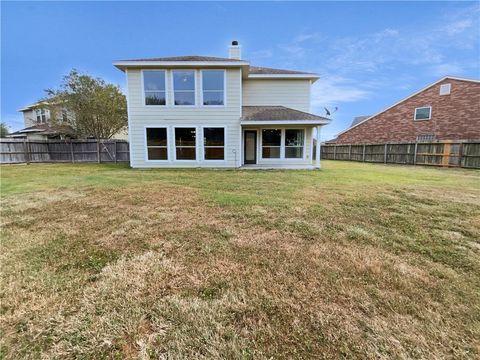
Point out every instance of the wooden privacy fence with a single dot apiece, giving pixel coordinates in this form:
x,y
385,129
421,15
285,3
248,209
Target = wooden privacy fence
x,y
465,154
15,151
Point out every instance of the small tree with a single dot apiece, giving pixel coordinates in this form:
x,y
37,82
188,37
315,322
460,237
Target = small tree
x,y
3,130
95,108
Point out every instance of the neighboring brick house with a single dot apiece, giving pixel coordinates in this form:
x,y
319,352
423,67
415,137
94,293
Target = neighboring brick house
x,y
448,109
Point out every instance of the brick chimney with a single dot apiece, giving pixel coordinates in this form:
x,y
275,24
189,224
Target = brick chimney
x,y
235,51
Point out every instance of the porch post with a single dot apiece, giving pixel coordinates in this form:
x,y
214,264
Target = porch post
x,y
317,153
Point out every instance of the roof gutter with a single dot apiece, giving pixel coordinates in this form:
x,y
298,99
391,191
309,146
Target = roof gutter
x,y
285,122
122,65
313,77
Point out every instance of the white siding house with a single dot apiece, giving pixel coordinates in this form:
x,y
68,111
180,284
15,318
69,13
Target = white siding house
x,y
292,93
197,111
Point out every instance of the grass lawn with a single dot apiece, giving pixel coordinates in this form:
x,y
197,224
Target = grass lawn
x,y
354,261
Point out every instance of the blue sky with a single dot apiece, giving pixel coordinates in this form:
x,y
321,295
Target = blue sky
x,y
369,54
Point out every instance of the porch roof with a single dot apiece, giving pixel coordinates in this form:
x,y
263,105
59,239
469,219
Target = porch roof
x,y
273,115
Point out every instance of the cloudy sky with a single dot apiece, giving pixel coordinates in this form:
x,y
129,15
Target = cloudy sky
x,y
369,54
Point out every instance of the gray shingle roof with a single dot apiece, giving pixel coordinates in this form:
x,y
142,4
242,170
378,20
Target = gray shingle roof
x,y
271,113
185,58
265,70
252,69
46,130
359,119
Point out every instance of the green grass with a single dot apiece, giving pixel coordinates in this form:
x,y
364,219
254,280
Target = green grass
x,y
354,261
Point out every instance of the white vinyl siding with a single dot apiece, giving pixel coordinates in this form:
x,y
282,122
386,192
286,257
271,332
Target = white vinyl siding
x,y
294,94
170,116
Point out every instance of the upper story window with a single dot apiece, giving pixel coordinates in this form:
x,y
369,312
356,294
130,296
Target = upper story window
x,y
154,87
184,87
213,83
41,116
423,113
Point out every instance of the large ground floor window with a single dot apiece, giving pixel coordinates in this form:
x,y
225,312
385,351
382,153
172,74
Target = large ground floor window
x,y
271,143
294,143
214,143
157,148
283,144
185,143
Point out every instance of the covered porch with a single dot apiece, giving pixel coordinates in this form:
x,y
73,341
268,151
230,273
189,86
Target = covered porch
x,y
276,137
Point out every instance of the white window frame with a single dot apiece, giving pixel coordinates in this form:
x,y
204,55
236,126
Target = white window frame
x,y
143,88
282,141
169,155
224,88
197,158
282,144
422,107
285,143
43,112
195,87
224,144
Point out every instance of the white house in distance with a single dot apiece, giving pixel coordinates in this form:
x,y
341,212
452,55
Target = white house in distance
x,y
198,111
36,119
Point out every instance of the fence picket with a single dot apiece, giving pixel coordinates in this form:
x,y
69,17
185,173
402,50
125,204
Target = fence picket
x,y
15,151
460,153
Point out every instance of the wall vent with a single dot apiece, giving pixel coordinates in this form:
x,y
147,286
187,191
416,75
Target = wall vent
x,y
445,89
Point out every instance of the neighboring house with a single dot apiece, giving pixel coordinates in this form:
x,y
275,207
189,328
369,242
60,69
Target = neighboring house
x,y
198,111
356,120
37,118
448,109
37,121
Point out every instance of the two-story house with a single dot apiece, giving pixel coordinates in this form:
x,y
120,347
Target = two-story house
x,y
39,125
37,121
198,111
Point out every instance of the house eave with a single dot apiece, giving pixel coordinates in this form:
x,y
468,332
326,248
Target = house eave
x,y
284,122
122,65
313,77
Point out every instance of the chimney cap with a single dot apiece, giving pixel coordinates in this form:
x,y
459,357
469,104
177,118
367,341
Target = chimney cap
x,y
235,43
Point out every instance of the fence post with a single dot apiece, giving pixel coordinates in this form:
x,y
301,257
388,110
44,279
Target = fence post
x,y
415,154
363,156
385,155
71,151
460,154
335,152
26,151
98,151
446,153
350,152
115,151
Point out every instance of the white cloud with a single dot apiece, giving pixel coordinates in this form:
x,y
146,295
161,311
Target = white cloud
x,y
333,91
440,70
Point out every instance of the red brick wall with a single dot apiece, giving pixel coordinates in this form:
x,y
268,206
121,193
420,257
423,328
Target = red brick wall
x,y
454,117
